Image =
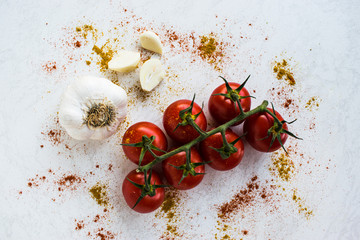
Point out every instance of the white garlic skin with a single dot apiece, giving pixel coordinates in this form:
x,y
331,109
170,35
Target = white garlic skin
x,y
77,99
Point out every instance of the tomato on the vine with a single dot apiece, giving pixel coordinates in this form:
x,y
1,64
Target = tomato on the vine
x,y
172,119
214,158
132,193
174,175
223,108
135,134
256,128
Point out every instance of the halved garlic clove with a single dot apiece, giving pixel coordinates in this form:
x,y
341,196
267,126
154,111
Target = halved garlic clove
x,y
124,61
151,74
150,41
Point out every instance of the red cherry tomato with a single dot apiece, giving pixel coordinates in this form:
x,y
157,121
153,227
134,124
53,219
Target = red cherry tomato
x,y
183,134
256,128
214,158
134,135
173,175
222,109
132,193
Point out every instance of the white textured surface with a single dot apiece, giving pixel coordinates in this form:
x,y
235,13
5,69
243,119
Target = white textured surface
x,y
30,99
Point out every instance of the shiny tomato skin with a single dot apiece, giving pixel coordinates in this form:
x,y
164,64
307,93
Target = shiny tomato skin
x,y
173,175
222,109
256,127
183,134
132,193
214,158
134,135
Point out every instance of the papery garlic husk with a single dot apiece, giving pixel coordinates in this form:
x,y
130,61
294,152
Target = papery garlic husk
x,y
92,108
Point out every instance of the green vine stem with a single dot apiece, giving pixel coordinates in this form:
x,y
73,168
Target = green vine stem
x,y
203,135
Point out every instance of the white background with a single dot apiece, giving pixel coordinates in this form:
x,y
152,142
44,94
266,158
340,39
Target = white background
x,y
33,33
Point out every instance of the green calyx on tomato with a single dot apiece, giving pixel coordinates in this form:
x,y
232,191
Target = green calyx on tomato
x,y
147,189
234,94
228,148
188,118
146,146
189,167
278,129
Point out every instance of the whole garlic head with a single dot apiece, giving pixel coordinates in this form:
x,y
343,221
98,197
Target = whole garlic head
x,y
92,108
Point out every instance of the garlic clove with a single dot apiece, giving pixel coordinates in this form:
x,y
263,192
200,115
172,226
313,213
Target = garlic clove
x,y
150,41
124,61
151,74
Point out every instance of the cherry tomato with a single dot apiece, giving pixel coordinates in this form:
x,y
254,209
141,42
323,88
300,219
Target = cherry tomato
x,y
214,158
132,193
183,134
134,135
173,175
256,128
222,109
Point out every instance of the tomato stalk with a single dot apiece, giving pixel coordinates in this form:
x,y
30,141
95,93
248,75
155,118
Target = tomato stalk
x,y
275,131
221,128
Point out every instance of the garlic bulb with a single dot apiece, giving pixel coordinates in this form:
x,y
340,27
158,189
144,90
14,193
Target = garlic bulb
x,y
92,108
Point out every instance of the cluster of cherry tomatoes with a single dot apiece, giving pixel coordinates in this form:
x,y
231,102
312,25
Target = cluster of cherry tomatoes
x,y
144,141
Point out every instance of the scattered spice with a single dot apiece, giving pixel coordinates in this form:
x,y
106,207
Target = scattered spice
x,y
55,134
77,44
96,223
245,197
313,103
283,71
99,193
253,194
207,47
86,29
36,181
287,103
79,225
105,54
301,205
211,50
282,165
104,234
68,182
169,211
49,66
